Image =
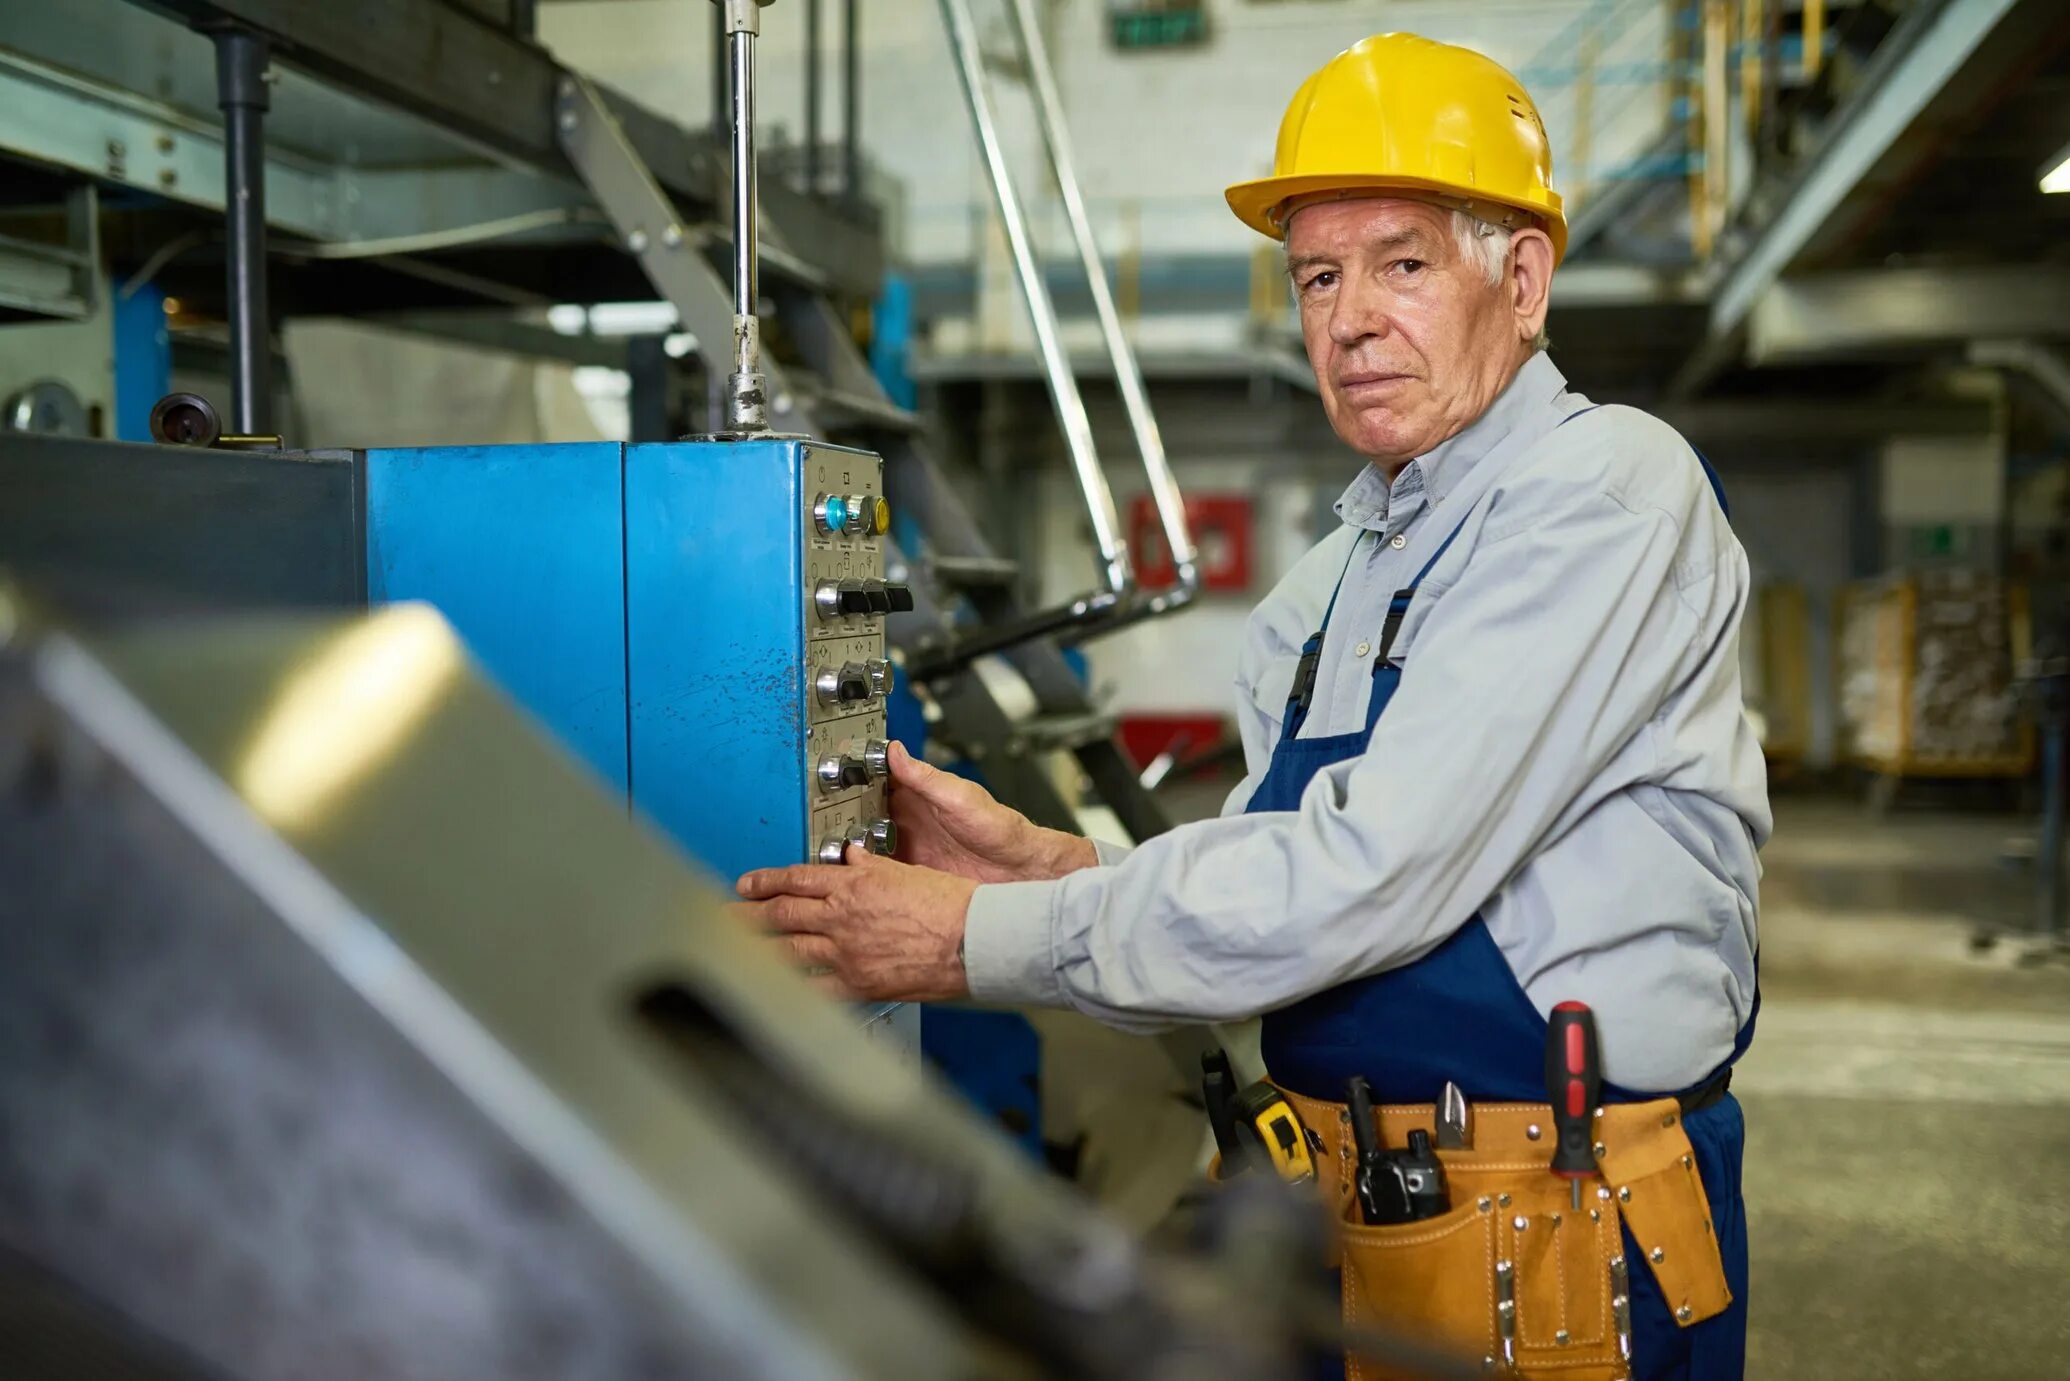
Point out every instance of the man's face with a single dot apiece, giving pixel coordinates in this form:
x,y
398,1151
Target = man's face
x,y
1409,341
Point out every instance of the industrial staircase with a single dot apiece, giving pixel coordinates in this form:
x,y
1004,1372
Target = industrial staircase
x,y
969,623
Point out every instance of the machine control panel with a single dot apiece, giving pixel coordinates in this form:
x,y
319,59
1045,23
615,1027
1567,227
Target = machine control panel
x,y
848,672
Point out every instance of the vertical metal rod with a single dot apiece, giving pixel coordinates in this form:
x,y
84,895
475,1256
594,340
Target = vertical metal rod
x,y
1128,374
1717,119
1042,313
812,94
1584,116
2048,859
1814,56
721,82
1753,41
851,104
746,402
242,93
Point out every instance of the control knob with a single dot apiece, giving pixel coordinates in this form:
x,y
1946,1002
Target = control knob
x,y
868,516
839,599
831,513
880,837
850,682
855,765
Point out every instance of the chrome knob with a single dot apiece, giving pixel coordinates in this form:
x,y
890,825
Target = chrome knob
x,y
881,837
830,513
878,670
839,686
839,771
833,850
877,757
832,773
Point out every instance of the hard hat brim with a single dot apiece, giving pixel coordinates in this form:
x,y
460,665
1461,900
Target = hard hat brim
x,y
1255,202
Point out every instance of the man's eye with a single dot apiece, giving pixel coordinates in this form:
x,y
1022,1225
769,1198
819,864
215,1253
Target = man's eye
x,y
1410,265
1325,279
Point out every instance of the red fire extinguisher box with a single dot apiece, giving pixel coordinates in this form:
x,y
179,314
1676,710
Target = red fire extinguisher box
x,y
1221,526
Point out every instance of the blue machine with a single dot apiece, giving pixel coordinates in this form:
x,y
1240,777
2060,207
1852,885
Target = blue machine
x,y
701,621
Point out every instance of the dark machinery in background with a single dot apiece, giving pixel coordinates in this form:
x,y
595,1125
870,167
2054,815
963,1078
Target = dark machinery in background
x,y
347,1029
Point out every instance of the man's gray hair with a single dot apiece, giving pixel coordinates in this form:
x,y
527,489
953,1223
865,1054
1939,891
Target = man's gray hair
x,y
1488,245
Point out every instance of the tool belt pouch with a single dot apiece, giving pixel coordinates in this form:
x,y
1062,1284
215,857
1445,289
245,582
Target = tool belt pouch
x,y
1511,1274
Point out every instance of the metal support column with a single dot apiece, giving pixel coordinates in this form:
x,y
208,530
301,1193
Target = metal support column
x,y
746,394
649,370
812,94
851,104
241,91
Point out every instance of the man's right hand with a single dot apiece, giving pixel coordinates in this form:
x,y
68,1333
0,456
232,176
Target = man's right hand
x,y
952,824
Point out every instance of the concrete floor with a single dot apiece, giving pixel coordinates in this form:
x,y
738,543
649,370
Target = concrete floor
x,y
1908,1108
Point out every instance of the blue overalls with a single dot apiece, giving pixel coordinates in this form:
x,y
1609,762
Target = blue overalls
x,y
1459,1014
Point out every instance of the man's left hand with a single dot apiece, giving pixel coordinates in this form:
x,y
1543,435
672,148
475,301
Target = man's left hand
x,y
884,931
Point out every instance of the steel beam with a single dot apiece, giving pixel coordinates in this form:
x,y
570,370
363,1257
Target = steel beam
x,y
1879,312
1908,71
2046,368
500,331
1792,430
496,92
117,136
57,281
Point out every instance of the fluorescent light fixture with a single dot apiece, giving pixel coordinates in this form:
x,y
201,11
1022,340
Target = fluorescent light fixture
x,y
2056,178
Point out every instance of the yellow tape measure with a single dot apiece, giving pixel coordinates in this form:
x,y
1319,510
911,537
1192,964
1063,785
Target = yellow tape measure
x,y
1264,1110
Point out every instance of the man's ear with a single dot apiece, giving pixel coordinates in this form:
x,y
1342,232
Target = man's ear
x,y
1531,271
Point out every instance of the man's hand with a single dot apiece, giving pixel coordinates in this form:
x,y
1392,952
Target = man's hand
x,y
954,825
884,931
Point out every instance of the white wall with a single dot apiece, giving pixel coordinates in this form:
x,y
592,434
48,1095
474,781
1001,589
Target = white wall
x,y
1158,134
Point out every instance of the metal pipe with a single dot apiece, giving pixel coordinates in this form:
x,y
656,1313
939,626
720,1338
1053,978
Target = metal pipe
x,y
2048,856
851,104
1128,373
1814,38
812,75
720,80
746,401
241,91
1042,313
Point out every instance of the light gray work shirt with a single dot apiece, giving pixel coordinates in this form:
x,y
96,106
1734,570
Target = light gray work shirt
x,y
1567,756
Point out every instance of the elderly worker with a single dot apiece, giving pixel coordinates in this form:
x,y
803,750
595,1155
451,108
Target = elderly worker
x,y
1497,762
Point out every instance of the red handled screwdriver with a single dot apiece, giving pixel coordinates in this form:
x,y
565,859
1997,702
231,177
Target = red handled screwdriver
x,y
1573,1084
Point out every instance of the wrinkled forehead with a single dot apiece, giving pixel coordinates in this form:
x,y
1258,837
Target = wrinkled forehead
x,y
1335,222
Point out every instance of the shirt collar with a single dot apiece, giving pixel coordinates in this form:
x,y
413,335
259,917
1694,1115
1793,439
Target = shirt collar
x,y
1371,500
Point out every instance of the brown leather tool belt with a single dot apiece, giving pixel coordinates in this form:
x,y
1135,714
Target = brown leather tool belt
x,y
1511,1272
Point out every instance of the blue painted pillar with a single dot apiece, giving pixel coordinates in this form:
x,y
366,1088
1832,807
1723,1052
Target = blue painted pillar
x,y
143,360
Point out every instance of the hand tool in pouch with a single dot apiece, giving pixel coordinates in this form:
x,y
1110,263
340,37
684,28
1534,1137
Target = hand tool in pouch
x,y
1574,1086
1254,1125
1265,1118
1455,1119
1403,1186
1218,1088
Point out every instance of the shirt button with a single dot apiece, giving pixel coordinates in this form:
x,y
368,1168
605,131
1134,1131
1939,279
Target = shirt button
x,y
1362,649
1401,539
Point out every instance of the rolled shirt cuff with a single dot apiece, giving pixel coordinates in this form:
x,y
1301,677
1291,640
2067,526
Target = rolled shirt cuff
x,y
1007,948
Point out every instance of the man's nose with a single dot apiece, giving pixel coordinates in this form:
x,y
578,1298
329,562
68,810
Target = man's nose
x,y
1359,312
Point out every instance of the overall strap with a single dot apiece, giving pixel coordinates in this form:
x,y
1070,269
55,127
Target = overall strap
x,y
1398,607
1303,692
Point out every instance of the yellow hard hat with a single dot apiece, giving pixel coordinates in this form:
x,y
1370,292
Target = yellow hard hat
x,y
1402,114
